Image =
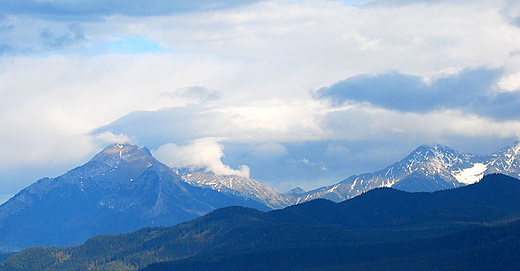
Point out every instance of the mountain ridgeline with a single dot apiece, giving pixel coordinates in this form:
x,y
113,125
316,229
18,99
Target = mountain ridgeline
x,y
428,168
124,188
471,227
235,185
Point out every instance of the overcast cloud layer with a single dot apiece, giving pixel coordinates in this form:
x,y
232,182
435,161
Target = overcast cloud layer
x,y
289,92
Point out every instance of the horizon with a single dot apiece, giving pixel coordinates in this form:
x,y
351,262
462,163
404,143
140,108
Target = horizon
x,y
292,94
116,144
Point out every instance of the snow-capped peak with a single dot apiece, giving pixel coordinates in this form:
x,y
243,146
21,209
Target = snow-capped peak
x,y
434,158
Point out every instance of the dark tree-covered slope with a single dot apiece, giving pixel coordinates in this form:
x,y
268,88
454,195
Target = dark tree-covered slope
x,y
483,248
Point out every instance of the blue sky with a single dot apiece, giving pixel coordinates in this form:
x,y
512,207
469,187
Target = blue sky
x,y
291,93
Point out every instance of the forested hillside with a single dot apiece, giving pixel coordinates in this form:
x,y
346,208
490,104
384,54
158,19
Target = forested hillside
x,y
383,228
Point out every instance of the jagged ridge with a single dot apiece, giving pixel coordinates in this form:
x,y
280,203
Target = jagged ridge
x,y
428,168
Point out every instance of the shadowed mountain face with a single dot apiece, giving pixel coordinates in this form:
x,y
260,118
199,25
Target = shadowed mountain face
x,y
121,189
382,228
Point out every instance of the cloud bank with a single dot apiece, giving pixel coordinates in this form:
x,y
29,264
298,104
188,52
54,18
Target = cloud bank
x,y
471,91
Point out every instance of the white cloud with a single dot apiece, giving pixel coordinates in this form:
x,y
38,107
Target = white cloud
x,y
107,138
305,35
203,153
510,82
274,120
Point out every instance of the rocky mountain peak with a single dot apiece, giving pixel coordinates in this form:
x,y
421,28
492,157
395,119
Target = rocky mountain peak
x,y
436,156
433,150
117,152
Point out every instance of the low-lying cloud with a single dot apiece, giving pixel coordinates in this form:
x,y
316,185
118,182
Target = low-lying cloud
x,y
203,153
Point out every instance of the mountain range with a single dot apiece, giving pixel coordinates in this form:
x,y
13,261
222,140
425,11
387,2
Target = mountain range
x,y
472,227
428,168
124,188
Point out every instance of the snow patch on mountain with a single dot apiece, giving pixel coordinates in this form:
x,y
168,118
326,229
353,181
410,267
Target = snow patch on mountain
x,y
470,175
